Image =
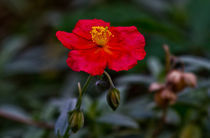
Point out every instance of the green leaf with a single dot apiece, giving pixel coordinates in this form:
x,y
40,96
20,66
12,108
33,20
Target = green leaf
x,y
10,47
196,61
118,120
191,131
155,66
61,124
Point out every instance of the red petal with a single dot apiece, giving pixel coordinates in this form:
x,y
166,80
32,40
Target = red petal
x,y
130,37
127,46
121,59
83,27
92,61
72,41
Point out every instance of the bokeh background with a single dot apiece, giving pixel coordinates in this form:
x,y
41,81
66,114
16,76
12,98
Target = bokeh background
x,y
36,83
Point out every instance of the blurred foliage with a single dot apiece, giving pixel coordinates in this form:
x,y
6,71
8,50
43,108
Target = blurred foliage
x,y
35,82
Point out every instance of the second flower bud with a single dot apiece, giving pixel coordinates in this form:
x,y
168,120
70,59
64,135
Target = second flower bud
x,y
76,120
113,98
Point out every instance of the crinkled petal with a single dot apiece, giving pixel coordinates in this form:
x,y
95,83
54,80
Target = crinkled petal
x,y
72,41
120,59
92,61
130,38
83,27
127,47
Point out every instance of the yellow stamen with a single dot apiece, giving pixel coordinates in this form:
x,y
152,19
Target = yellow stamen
x,y
100,35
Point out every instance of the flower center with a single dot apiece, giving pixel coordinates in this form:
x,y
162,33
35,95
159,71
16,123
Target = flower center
x,y
100,35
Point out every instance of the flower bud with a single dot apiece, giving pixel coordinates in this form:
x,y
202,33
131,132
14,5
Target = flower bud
x,y
76,120
190,79
113,98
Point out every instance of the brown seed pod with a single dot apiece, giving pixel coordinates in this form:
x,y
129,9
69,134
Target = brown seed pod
x,y
175,80
165,97
190,79
156,87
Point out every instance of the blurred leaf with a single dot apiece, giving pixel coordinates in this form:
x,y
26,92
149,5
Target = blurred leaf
x,y
139,108
199,21
157,6
118,120
14,110
191,131
12,132
34,133
11,46
34,60
48,112
154,66
173,117
61,124
196,61
135,78
192,98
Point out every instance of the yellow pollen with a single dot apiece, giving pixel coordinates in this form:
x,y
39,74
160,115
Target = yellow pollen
x,y
100,35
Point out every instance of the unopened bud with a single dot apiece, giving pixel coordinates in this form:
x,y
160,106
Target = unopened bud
x,y
76,120
113,98
190,79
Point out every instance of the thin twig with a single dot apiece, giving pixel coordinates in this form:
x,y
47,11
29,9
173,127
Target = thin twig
x,y
86,84
168,57
161,124
110,79
26,121
82,91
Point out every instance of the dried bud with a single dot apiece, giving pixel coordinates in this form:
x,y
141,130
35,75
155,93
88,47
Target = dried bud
x,y
113,98
174,76
169,95
102,85
190,79
76,120
165,97
176,80
156,87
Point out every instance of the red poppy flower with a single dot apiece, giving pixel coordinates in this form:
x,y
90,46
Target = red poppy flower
x,y
95,45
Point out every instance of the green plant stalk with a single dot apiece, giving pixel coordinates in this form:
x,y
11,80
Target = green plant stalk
x,y
110,79
81,93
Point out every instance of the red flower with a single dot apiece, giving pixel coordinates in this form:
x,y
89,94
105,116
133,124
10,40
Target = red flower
x,y
95,45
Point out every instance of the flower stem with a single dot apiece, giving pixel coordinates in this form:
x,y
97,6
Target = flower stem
x,y
82,91
110,79
168,56
162,123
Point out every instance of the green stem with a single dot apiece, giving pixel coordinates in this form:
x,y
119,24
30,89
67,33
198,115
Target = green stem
x,y
110,79
66,134
79,101
86,84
